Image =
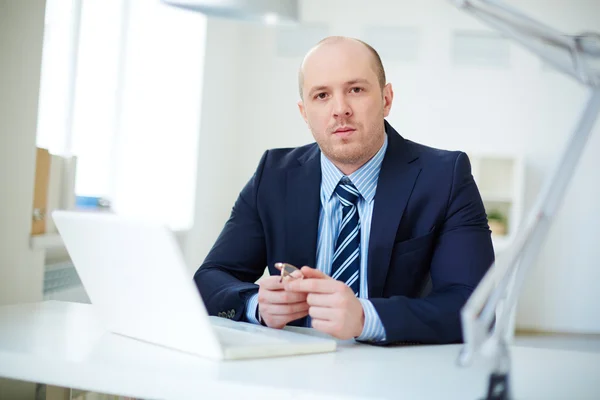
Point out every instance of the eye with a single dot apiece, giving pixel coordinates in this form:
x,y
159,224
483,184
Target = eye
x,y
321,96
356,89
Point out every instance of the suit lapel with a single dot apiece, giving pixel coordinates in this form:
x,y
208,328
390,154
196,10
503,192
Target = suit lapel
x,y
302,210
394,187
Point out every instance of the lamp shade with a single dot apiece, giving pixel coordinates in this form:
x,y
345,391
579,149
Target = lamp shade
x,y
269,11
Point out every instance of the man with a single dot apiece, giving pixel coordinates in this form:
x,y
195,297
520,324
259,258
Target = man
x,y
393,235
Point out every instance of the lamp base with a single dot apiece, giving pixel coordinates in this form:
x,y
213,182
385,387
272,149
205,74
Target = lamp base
x,y
498,388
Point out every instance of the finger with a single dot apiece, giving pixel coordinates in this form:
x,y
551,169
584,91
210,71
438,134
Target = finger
x,y
322,313
314,273
282,309
271,283
320,300
323,325
279,321
313,285
279,297
295,316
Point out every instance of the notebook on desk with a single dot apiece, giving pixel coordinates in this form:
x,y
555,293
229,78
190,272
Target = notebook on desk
x,y
136,278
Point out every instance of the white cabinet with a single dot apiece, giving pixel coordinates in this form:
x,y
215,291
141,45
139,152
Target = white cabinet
x,y
501,180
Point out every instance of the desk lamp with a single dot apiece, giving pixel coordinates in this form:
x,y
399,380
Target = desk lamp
x,y
486,315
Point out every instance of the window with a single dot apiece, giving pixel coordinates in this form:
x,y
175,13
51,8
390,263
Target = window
x,y
121,90
56,83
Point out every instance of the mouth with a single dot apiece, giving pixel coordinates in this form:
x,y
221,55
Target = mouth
x,y
344,131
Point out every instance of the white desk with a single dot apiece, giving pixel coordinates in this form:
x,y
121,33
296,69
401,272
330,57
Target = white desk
x,y
62,344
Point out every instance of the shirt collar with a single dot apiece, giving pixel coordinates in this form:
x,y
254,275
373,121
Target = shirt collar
x,y
364,178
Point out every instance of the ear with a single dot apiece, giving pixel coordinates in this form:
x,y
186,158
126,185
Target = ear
x,y
388,97
302,110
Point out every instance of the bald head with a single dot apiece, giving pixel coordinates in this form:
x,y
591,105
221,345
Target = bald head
x,y
351,44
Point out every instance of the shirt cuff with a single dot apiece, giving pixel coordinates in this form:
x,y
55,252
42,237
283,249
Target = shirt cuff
x,y
251,309
373,330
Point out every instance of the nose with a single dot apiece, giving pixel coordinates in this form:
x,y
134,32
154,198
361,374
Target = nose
x,y
341,107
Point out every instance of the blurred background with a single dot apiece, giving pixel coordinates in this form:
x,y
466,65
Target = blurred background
x,y
153,111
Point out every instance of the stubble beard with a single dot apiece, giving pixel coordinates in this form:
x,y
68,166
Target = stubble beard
x,y
351,152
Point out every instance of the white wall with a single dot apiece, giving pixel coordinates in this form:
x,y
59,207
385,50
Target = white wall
x,y
218,181
522,109
21,270
21,37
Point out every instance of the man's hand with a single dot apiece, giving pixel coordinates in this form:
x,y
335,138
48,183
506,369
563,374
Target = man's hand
x,y
278,307
333,306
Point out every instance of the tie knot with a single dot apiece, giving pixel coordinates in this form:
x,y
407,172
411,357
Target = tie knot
x,y
347,192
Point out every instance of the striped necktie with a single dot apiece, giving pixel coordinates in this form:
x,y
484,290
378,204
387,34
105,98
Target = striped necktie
x,y
346,258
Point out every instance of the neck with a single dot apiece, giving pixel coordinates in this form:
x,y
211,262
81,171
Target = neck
x,y
348,169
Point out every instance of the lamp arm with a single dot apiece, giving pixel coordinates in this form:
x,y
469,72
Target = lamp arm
x,y
503,282
542,40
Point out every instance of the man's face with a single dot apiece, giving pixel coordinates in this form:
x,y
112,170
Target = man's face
x,y
343,103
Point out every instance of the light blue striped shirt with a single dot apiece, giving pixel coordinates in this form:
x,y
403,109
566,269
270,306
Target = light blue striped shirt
x,y
365,180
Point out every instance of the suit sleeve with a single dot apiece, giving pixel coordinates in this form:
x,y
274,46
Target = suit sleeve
x,y
461,256
238,258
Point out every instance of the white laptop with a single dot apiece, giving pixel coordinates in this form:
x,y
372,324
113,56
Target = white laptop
x,y
136,278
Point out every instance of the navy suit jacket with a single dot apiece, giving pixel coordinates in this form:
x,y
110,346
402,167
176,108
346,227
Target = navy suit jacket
x,y
430,244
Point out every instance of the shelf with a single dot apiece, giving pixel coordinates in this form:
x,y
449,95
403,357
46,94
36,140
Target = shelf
x,y
46,241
